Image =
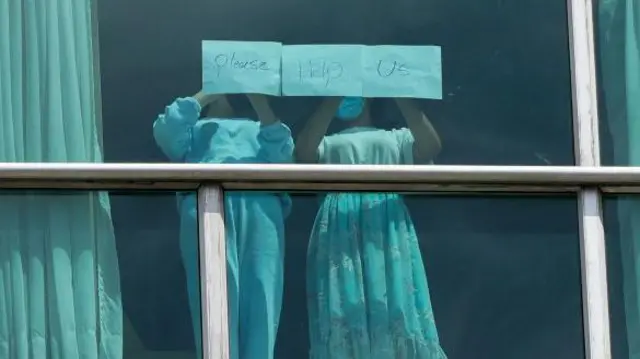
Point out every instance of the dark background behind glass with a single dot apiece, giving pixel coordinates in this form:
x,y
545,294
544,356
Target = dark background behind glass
x,y
507,101
614,246
506,73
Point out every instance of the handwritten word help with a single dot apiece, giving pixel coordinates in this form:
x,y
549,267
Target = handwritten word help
x,y
391,68
233,61
319,69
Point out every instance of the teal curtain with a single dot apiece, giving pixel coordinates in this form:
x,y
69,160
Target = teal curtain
x,y
59,281
619,54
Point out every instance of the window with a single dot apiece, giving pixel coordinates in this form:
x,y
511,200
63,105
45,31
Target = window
x,y
512,160
622,248
618,36
619,54
506,89
421,275
506,94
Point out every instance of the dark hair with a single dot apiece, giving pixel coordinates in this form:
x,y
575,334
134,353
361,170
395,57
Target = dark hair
x,y
384,113
206,111
241,106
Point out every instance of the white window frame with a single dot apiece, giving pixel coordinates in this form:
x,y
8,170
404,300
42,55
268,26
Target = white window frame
x,y
586,179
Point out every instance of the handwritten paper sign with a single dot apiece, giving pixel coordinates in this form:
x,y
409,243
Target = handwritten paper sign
x,y
241,67
402,71
322,70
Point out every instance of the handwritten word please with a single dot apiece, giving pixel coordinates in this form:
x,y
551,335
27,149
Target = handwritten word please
x,y
326,71
230,62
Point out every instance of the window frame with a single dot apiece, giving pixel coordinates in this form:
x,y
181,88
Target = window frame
x,y
587,179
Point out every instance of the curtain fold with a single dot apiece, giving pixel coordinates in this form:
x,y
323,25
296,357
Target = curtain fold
x,y
59,280
619,40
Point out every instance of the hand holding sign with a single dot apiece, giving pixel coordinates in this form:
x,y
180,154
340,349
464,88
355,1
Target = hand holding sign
x,y
322,70
241,67
402,71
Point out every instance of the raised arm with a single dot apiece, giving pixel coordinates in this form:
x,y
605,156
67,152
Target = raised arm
x,y
427,143
260,104
276,144
315,129
173,129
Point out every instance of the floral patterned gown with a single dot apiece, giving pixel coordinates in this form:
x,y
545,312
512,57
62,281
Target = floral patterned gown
x,y
367,289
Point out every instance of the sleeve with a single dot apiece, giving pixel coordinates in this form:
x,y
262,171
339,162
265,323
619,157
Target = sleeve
x,y
404,139
173,130
276,143
322,149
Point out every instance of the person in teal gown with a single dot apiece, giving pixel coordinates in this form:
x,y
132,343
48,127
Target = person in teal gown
x,y
254,221
367,289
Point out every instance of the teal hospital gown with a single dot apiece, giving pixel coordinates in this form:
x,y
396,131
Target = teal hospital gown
x,y
254,221
366,284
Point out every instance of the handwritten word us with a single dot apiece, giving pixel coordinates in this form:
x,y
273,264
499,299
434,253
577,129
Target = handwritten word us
x,y
391,68
318,69
233,61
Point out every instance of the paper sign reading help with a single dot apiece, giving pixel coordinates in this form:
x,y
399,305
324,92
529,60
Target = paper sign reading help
x,y
322,70
241,67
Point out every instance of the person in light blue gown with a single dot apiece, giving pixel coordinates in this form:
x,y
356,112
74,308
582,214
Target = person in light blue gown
x,y
254,221
367,289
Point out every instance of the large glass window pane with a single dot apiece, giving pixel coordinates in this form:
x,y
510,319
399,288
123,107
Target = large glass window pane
x,y
622,228
380,275
618,35
93,96
97,275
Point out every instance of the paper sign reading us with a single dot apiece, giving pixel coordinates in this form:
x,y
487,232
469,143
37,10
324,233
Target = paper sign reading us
x,y
241,67
402,71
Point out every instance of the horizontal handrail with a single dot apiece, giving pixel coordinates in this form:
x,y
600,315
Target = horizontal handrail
x,y
318,173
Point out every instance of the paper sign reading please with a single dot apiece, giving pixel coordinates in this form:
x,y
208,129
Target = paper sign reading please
x,y
241,67
402,71
322,70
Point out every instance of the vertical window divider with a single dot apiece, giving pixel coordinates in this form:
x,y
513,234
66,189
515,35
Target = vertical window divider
x,y
213,272
587,153
594,275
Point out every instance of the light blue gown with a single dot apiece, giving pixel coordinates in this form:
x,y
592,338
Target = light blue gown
x,y
254,221
366,284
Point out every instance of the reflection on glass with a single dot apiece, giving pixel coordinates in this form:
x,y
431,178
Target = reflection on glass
x,y
619,62
254,224
503,277
72,282
622,226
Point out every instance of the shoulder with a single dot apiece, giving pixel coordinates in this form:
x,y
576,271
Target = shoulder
x,y
402,134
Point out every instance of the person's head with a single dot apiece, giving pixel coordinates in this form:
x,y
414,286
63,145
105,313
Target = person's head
x,y
351,109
